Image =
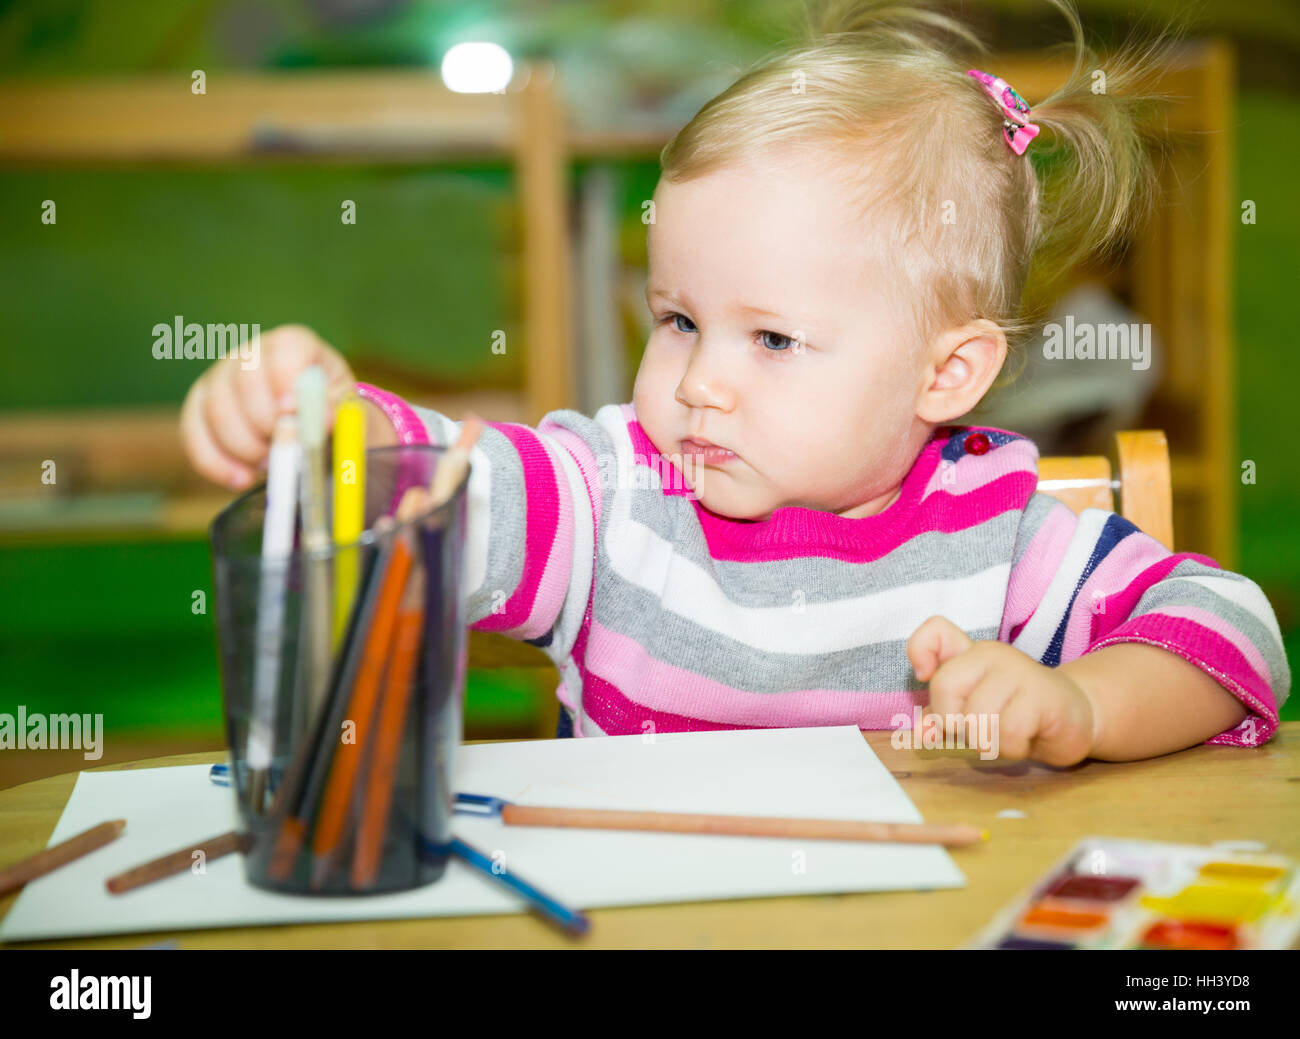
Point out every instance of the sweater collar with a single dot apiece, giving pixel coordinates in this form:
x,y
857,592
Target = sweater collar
x,y
795,530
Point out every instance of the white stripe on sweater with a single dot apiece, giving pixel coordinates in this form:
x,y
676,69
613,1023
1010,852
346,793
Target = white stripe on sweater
x,y
644,559
584,540
1244,593
1037,634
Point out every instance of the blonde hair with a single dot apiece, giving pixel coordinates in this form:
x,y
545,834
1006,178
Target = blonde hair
x,y
882,87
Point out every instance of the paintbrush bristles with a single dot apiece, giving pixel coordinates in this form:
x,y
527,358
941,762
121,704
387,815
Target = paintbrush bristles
x,y
310,387
413,502
455,460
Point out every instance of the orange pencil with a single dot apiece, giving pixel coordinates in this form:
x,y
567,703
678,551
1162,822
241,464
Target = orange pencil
x,y
402,657
60,854
296,799
360,710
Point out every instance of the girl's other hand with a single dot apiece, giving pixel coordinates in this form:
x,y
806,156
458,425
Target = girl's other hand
x,y
1034,711
230,411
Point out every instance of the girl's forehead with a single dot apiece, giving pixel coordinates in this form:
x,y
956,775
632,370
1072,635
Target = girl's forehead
x,y
776,223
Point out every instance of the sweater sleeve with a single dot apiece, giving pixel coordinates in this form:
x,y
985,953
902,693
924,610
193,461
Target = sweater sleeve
x,y
1079,583
532,519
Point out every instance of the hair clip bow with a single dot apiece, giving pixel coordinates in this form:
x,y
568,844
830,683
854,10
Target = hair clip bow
x,y
1016,127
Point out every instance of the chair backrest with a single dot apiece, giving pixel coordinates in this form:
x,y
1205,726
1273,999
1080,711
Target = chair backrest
x,y
1136,472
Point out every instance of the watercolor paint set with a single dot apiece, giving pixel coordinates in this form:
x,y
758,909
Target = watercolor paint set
x,y
1109,893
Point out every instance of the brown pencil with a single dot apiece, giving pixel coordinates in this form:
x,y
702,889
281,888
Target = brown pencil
x,y
948,834
176,861
340,785
60,854
391,716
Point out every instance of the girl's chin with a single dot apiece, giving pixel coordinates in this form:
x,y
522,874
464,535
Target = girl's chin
x,y
729,507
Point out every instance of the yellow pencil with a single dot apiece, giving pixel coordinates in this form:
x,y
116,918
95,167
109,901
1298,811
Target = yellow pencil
x,y
349,505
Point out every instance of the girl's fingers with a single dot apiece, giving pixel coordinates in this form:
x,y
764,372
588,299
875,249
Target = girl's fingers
x,y
1010,718
230,412
226,424
252,393
934,642
293,348
207,458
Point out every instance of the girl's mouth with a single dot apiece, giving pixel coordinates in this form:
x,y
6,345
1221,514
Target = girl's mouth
x,y
707,454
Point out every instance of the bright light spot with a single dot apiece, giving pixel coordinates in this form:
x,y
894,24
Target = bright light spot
x,y
476,68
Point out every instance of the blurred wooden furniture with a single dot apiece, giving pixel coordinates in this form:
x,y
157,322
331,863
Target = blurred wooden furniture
x,y
1176,273
349,116
1134,480
334,117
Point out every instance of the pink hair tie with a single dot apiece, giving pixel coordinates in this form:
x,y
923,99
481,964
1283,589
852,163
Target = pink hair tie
x,y
1016,127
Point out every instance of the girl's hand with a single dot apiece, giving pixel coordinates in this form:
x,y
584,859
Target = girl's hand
x,y
230,411
1041,712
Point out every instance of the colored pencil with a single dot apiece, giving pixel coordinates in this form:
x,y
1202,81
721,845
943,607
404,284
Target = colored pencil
x,y
948,834
177,862
360,710
296,798
391,717
441,730
20,873
314,646
277,544
571,921
349,473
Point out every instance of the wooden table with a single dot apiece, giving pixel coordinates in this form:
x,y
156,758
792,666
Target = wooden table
x,y
1197,796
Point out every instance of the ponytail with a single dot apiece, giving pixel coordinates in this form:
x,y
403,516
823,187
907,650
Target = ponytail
x,y
1096,177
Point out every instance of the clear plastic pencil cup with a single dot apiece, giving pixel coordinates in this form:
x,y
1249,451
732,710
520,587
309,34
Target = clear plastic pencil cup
x,y
342,679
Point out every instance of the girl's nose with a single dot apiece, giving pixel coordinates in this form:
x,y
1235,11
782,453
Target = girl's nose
x,y
704,384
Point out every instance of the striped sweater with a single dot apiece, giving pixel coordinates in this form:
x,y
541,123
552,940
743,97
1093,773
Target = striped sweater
x,y
663,616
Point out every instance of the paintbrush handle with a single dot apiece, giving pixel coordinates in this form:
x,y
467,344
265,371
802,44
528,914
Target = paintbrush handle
x,y
948,834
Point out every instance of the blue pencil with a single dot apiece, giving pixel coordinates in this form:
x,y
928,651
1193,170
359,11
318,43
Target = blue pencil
x,y
572,921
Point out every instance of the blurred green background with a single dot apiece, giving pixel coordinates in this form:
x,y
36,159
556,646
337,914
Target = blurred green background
x,y
107,626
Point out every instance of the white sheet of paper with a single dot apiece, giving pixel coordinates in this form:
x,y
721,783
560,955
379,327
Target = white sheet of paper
x,y
812,772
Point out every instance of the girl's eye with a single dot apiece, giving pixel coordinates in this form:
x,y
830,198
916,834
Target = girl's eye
x,y
785,342
778,344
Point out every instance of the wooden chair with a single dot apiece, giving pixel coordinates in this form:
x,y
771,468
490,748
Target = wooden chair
x,y
1136,473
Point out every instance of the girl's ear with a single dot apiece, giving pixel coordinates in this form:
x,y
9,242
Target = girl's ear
x,y
961,365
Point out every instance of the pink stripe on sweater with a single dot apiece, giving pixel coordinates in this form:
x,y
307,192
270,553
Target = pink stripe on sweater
x,y
1225,630
589,466
649,688
1095,611
585,458
542,494
794,532
590,472
1214,655
1032,575
978,470
409,429
553,584
406,423
1122,603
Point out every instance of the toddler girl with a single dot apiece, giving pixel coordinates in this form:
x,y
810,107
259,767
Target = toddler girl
x,y
784,528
